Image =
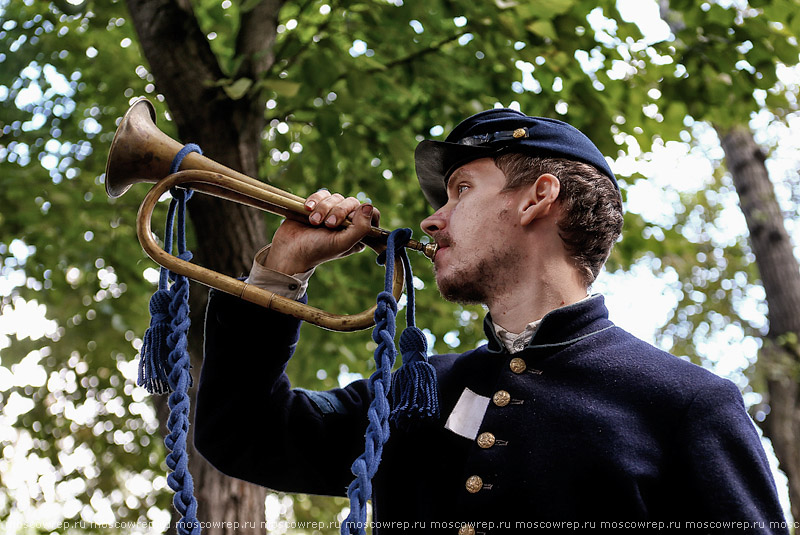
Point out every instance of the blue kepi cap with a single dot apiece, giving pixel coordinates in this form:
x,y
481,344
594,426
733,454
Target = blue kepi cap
x,y
492,133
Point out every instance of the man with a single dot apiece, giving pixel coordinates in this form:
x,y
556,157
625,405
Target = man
x,y
560,417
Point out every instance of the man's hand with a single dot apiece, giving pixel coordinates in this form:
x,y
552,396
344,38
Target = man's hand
x,y
298,247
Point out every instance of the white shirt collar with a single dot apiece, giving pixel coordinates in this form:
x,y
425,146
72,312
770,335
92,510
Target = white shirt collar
x,y
516,342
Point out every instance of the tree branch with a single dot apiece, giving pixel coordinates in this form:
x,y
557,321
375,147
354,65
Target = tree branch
x,y
180,58
290,39
419,53
254,43
392,64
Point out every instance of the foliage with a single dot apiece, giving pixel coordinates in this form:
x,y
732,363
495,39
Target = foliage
x,y
87,419
726,61
354,86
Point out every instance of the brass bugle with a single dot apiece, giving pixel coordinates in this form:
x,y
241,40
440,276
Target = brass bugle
x,y
140,152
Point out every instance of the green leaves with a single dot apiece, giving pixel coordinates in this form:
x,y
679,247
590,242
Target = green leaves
x,y
281,88
237,89
543,10
728,54
543,28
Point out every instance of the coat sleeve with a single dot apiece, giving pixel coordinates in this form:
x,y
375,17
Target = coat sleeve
x,y
731,483
251,424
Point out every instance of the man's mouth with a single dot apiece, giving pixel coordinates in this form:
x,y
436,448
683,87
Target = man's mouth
x,y
440,246
443,241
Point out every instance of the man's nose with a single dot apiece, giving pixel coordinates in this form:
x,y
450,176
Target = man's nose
x,y
434,222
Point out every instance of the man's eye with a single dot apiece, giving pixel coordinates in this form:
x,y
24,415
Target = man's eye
x,y
461,189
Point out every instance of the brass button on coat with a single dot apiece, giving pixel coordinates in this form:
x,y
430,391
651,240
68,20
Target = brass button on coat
x,y
486,440
501,398
517,365
466,529
474,484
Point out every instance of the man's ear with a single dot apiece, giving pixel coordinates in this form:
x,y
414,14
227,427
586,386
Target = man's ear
x,y
538,198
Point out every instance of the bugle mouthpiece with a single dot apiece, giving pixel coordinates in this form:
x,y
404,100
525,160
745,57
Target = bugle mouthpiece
x,y
428,249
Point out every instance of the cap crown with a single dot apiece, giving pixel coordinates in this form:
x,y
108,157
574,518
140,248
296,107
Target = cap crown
x,y
499,131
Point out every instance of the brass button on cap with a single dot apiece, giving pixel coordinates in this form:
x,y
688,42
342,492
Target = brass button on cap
x,y
486,440
466,529
501,398
474,484
517,365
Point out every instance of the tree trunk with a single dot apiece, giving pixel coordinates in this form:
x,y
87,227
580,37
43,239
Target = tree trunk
x,y
779,361
227,234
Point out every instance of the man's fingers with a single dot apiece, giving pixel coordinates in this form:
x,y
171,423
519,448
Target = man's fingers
x,y
325,202
340,212
333,210
315,198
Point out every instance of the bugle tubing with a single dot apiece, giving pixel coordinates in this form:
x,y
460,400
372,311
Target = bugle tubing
x,y
231,285
140,152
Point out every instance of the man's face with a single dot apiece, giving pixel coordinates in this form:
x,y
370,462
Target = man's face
x,y
476,233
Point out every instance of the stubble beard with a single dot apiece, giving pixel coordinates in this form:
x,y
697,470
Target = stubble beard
x,y
479,282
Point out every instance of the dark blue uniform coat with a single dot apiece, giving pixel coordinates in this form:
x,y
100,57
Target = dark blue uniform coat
x,y
598,427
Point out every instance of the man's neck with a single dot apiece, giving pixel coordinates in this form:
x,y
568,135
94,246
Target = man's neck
x,y
513,310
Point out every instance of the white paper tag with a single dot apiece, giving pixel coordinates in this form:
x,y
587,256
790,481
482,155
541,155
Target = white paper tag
x,y
467,415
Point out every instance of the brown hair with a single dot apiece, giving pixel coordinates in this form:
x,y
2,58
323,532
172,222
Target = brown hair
x,y
591,207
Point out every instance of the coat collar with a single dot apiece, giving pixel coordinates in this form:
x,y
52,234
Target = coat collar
x,y
560,327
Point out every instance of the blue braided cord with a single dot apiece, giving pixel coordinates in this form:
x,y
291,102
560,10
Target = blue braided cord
x,y
365,467
180,379
414,391
161,375
154,362
178,159
410,304
163,283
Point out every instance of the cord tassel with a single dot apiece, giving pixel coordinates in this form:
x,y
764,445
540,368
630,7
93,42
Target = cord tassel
x,y
154,367
414,386
154,362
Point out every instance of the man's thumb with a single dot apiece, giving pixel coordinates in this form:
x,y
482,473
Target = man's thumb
x,y
366,212
360,224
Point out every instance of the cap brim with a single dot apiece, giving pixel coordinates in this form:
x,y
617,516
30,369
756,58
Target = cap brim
x,y
435,160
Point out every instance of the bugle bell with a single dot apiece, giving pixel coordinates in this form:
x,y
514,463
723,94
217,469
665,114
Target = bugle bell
x,y
140,152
